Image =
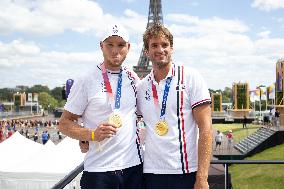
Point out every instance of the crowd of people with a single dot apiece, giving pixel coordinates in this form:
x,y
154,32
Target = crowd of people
x,y
37,130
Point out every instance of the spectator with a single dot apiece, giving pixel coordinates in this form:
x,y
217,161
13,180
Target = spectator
x,y
245,120
277,116
10,133
218,139
22,131
1,134
230,139
44,137
35,137
59,135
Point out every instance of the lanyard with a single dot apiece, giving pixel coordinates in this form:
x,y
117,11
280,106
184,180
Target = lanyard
x,y
165,96
109,89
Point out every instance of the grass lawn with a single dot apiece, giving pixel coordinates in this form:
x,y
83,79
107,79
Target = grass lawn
x,y
238,132
260,176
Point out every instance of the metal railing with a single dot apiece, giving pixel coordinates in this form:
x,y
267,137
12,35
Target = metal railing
x,y
226,164
68,178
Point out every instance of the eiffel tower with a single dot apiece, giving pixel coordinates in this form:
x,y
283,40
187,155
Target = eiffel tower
x,y
154,16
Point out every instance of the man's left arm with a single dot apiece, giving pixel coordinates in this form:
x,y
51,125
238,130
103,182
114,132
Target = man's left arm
x,y
202,116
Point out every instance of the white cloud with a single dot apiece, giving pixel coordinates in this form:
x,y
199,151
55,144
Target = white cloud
x,y
133,20
34,66
268,5
31,65
18,48
219,48
223,51
199,26
264,34
49,17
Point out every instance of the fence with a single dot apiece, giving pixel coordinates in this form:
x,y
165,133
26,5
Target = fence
x,y
68,178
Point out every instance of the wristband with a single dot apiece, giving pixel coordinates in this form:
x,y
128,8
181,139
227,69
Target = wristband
x,y
93,135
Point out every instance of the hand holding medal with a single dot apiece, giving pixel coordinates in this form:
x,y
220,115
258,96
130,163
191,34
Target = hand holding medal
x,y
105,130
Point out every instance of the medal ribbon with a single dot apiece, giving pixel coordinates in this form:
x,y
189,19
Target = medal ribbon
x,y
109,89
165,96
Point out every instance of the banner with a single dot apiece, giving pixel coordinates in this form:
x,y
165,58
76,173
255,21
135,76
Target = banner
x,y
261,91
69,84
253,95
279,77
30,97
2,107
271,91
35,97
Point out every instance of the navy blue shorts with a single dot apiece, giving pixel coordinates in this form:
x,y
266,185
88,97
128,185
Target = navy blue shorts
x,y
130,178
169,181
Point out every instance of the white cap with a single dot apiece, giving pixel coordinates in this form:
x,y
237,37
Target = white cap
x,y
116,30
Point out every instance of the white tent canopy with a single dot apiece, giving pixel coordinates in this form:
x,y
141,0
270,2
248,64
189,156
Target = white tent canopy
x,y
27,164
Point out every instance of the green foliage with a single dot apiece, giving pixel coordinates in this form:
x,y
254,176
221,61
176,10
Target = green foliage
x,y
17,102
226,95
61,103
38,89
242,97
257,104
47,101
57,93
6,95
217,101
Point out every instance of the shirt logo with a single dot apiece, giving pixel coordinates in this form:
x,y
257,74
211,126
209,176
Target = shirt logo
x,y
180,87
104,90
114,29
147,95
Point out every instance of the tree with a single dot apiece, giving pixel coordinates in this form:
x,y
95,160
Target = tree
x,y
61,103
6,94
47,101
227,93
38,89
57,93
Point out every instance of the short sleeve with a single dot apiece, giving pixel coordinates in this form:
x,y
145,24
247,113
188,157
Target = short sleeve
x,y
77,99
198,91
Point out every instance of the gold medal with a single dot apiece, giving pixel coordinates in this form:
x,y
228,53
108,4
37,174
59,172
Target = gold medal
x,y
162,128
116,120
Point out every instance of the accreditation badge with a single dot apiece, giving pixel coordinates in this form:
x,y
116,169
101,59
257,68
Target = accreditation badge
x,y
116,120
162,128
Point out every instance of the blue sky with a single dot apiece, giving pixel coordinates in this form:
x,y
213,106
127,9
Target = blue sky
x,y
48,41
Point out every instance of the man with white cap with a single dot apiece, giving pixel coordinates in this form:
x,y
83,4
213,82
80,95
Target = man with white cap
x,y
105,98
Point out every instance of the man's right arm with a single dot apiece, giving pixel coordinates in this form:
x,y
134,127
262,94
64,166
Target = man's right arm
x,y
69,126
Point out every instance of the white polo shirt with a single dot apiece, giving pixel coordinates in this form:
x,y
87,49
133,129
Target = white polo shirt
x,y
88,97
177,151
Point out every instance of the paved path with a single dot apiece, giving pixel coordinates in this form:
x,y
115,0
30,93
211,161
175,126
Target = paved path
x,y
223,149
